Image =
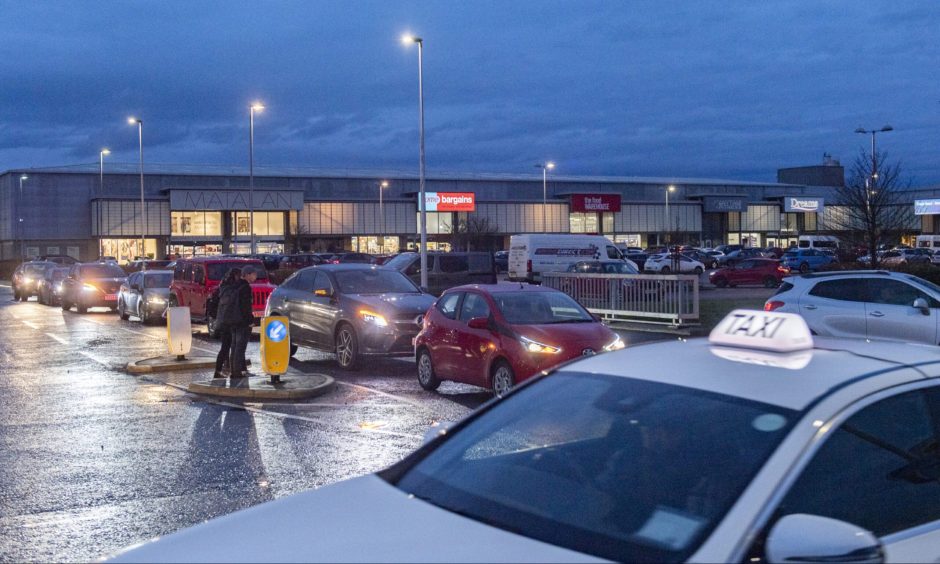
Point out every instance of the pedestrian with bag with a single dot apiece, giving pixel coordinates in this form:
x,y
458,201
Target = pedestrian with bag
x,y
243,320
222,305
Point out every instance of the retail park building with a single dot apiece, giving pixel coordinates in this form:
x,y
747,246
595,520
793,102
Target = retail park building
x,y
204,210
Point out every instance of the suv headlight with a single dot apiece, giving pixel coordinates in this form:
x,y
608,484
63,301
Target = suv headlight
x,y
156,300
615,345
89,288
374,318
537,347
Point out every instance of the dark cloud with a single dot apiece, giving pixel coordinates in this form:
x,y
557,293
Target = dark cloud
x,y
733,89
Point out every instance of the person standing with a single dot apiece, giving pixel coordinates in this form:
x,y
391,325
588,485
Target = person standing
x,y
243,320
222,305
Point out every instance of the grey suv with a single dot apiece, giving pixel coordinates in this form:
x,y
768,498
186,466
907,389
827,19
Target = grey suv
x,y
866,304
354,310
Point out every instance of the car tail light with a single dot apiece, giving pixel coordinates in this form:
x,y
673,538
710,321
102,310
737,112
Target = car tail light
x,y
783,269
528,266
773,305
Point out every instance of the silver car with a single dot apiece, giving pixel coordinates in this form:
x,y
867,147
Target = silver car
x,y
864,304
145,295
354,310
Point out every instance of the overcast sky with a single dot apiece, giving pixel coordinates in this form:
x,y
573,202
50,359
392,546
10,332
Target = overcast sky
x,y
721,89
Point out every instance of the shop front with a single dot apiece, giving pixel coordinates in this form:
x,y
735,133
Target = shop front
x,y
593,213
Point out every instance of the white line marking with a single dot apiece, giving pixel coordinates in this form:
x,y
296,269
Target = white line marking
x,y
58,338
90,356
30,324
386,394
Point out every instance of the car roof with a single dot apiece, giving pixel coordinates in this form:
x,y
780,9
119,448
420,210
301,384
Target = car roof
x,y
342,267
220,259
501,288
696,363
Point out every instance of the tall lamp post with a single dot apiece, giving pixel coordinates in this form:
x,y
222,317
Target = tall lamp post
x,y
143,210
668,221
874,157
422,204
256,107
19,218
101,155
382,186
546,166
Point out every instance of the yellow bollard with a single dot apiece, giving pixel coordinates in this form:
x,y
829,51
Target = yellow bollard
x,y
275,346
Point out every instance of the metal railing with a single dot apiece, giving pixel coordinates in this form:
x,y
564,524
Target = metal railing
x,y
669,299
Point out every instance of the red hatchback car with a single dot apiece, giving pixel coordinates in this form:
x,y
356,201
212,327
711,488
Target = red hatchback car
x,y
767,272
499,335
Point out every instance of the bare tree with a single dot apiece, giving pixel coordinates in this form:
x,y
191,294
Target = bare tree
x,y
871,207
473,232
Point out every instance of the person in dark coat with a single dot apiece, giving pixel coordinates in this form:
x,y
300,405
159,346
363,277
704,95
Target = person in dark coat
x,y
223,299
243,320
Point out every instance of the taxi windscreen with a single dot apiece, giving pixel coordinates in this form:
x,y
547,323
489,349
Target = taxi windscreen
x,y
539,308
628,470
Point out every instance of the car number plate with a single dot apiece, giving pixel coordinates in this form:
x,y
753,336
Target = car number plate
x,y
110,297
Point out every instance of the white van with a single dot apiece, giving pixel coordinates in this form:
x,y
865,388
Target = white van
x,y
822,242
532,254
931,242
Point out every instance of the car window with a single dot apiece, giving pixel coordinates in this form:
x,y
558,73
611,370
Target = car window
x,y
179,270
188,272
879,470
846,289
373,281
101,271
894,292
474,305
617,467
452,263
448,305
613,253
321,281
536,308
745,264
161,280
199,274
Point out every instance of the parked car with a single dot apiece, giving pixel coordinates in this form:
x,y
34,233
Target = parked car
x,y
864,304
353,310
706,259
298,261
328,258
501,260
732,258
497,336
906,256
147,264
50,286
767,272
728,249
194,280
446,270
666,264
91,284
805,260
26,277
145,295
638,258
603,267
62,260
354,258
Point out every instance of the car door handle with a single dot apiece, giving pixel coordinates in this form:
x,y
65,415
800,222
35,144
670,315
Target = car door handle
x,y
877,314
809,307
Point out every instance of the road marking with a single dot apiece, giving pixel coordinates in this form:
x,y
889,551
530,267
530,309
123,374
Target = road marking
x,y
30,324
58,338
386,394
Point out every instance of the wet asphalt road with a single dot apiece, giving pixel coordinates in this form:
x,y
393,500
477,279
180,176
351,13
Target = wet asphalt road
x,y
94,459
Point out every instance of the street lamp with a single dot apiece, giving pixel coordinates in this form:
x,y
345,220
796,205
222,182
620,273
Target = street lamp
x,y
382,186
547,166
143,211
874,158
256,107
668,221
19,217
101,155
408,39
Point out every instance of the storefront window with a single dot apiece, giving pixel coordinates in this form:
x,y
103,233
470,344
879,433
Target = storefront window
x,y
376,245
267,224
126,250
630,240
438,222
196,224
585,222
188,251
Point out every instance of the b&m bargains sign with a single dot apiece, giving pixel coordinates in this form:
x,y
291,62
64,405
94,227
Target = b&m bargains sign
x,y
449,201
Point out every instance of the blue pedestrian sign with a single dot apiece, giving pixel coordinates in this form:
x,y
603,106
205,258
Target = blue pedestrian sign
x,y
276,331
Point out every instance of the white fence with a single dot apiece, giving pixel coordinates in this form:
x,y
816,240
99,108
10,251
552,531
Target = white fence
x,y
668,299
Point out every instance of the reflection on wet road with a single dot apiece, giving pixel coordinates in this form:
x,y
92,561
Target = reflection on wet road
x,y
95,459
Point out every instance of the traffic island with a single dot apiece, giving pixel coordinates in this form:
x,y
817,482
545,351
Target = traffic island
x,y
290,386
170,363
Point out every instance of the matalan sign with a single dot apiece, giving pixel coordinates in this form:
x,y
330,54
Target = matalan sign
x,y
595,202
449,201
795,204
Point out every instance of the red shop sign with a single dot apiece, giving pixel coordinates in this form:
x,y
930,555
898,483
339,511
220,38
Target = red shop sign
x,y
593,203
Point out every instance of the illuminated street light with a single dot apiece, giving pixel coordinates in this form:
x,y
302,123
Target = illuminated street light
x,y
670,188
422,204
255,107
382,186
547,166
143,210
19,217
874,158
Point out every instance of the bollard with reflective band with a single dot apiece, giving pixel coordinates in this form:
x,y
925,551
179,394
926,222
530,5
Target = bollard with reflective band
x,y
275,346
179,331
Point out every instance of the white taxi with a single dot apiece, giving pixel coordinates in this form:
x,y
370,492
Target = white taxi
x,y
757,444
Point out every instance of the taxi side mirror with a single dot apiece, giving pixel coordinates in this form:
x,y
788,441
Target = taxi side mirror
x,y
811,538
436,429
921,304
479,323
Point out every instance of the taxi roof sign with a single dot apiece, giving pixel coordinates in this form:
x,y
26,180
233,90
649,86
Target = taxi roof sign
x,y
769,331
